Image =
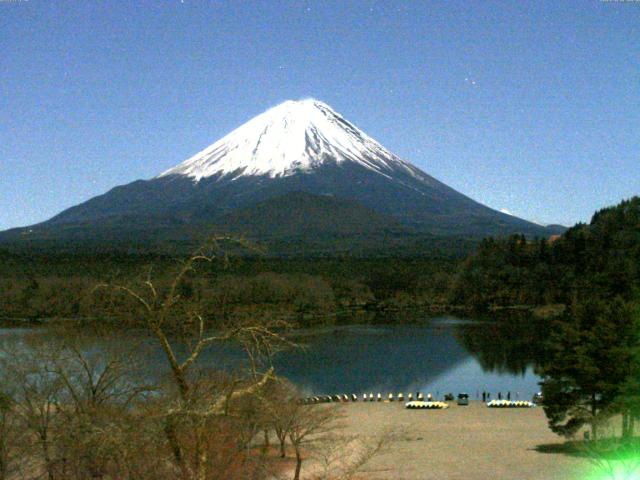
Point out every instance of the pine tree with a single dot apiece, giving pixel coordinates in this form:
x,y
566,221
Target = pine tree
x,y
590,361
629,398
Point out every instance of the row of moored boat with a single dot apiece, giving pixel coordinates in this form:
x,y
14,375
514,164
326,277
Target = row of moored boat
x,y
400,397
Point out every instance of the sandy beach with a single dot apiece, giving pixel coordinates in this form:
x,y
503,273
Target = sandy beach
x,y
463,443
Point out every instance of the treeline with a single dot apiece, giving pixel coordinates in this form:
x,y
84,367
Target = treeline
x,y
601,259
311,290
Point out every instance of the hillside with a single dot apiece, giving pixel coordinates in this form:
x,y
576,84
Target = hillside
x,y
601,258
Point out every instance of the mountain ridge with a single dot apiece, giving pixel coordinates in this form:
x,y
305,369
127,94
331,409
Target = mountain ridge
x,y
297,146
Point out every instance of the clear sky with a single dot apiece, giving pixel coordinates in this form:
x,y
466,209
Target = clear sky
x,y
529,106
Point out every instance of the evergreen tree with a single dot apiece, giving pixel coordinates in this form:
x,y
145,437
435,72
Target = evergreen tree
x,y
629,398
590,364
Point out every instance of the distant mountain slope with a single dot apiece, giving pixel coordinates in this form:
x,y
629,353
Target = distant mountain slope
x,y
304,214
302,146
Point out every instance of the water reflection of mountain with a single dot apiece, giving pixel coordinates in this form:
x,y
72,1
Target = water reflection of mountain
x,y
358,359
351,359
508,346
372,359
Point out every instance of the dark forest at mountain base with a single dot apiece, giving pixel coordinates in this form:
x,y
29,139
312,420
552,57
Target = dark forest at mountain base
x,y
50,286
601,257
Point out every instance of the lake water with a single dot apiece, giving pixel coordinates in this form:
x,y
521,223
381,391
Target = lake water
x,y
438,356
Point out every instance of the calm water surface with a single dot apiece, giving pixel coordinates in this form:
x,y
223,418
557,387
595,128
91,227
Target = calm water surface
x,y
440,356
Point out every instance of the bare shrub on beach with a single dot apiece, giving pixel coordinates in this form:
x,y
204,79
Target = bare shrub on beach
x,y
73,405
344,457
309,426
280,402
10,437
315,435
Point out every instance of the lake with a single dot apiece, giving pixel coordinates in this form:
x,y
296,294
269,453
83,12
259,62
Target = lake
x,y
437,356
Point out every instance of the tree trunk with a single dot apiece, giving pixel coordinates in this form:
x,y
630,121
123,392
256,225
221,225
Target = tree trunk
x,y
3,467
594,411
283,450
176,449
202,464
47,457
266,444
625,425
296,475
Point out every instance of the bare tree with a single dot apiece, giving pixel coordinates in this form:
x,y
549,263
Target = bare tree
x,y
343,456
280,399
315,432
10,437
100,385
260,348
95,376
169,312
308,426
73,401
36,399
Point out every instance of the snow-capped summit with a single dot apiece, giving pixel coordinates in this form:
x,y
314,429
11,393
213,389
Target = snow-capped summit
x,y
292,137
297,176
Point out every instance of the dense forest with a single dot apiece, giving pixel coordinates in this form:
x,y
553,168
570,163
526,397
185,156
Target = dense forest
x,y
598,259
313,290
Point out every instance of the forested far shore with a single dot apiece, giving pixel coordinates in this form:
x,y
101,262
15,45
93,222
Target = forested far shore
x,y
64,286
598,258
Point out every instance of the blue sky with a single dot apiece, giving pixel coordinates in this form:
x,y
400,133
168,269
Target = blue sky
x,y
531,106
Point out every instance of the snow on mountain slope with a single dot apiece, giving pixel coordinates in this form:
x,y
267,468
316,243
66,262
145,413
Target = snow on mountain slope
x,y
293,137
295,167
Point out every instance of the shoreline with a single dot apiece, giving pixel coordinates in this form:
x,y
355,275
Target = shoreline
x,y
463,443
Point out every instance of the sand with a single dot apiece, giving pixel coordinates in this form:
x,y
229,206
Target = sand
x,y
463,443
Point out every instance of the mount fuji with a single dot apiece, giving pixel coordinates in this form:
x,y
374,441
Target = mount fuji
x,y
297,174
